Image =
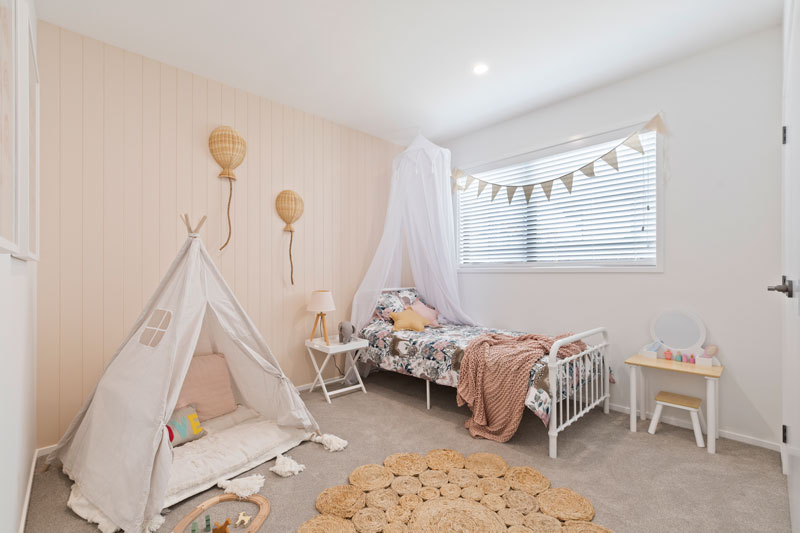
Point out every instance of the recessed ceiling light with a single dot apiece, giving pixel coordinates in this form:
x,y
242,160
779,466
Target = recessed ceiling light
x,y
480,69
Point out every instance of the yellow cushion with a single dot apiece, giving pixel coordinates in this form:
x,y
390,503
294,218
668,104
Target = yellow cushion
x,y
409,319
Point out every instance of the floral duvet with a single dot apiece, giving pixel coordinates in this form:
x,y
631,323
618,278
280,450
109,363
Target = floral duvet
x,y
435,353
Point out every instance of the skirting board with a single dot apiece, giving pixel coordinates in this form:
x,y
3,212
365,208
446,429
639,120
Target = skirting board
x,y
680,422
24,514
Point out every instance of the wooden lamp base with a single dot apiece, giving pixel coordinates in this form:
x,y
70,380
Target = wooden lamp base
x,y
320,318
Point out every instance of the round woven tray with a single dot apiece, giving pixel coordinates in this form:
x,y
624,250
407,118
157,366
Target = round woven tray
x,y
395,527
486,464
428,493
494,485
565,504
579,526
403,485
398,514
406,464
462,478
472,493
450,491
542,523
382,499
371,477
342,501
493,502
325,523
410,501
433,478
527,479
511,517
519,500
444,459
443,514
369,520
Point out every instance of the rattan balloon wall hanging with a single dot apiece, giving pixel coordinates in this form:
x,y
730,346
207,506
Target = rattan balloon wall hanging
x,y
228,149
289,205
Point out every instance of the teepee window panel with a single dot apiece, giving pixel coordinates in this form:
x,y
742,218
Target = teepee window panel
x,y
608,220
155,328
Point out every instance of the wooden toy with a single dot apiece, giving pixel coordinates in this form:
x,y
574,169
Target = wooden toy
x,y
208,522
678,358
667,354
253,527
222,528
691,359
243,520
194,527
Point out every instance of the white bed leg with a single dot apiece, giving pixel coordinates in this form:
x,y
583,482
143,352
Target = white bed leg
x,y
428,393
553,446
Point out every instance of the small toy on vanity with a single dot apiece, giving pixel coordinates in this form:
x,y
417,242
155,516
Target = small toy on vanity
x,y
668,354
679,335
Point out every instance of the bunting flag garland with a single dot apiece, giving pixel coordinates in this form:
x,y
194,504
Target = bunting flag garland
x,y
510,190
632,142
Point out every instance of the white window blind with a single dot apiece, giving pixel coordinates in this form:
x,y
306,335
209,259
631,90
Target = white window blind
x,y
608,220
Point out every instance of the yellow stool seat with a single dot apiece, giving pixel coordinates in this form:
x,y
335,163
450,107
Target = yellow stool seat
x,y
689,402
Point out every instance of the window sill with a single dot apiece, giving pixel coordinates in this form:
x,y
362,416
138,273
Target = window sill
x,y
561,269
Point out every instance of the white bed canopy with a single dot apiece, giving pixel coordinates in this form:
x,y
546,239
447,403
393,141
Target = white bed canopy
x,y
117,448
420,209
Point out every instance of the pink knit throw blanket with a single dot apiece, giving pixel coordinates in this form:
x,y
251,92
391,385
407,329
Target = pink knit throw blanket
x,y
494,377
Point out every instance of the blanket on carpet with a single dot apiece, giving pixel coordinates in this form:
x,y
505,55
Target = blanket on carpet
x,y
494,378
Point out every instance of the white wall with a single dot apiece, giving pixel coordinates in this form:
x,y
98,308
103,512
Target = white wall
x,y
17,382
722,225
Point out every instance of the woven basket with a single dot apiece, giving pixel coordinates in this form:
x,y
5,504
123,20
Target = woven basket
x,y
403,485
371,477
325,523
289,206
494,485
462,477
369,520
565,504
442,514
527,479
542,523
486,464
511,517
433,478
521,501
579,526
342,501
444,459
228,149
382,499
406,464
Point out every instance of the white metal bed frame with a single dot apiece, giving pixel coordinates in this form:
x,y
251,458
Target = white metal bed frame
x,y
582,397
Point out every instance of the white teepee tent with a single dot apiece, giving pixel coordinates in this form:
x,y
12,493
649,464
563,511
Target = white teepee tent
x,y
117,449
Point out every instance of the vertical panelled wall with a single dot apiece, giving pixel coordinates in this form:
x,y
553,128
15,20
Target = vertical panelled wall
x,y
124,150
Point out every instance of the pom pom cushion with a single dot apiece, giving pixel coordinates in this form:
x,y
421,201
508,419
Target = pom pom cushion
x,y
208,387
184,426
426,312
409,320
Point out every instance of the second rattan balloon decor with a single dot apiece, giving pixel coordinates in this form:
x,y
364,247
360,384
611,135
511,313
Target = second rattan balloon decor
x,y
289,205
228,149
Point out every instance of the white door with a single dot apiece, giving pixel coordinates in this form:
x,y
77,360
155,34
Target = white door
x,y
791,257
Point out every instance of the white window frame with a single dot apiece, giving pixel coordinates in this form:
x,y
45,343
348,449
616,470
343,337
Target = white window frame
x,y
565,146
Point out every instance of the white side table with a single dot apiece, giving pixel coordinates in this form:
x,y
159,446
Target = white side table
x,y
318,346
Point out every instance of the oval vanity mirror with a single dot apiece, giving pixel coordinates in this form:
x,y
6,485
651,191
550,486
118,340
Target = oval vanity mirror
x,y
679,330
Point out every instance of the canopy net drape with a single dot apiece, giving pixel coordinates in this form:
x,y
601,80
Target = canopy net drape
x,y
419,212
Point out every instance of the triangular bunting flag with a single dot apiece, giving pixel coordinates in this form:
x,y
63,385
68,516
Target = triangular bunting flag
x,y
470,179
655,124
457,173
611,159
510,190
495,190
568,181
588,170
633,142
481,185
547,187
528,190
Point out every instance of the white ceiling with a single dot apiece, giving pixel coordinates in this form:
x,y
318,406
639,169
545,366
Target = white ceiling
x,y
391,68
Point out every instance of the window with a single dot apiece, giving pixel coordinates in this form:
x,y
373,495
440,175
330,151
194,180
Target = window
x,y
608,219
155,328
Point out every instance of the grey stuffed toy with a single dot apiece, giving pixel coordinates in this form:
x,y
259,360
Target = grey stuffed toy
x,y
346,332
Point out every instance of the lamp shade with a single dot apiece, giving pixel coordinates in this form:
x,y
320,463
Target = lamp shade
x,y
321,302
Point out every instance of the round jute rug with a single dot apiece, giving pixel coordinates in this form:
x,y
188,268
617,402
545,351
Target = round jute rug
x,y
445,492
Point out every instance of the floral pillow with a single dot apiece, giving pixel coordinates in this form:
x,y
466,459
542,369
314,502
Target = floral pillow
x,y
396,301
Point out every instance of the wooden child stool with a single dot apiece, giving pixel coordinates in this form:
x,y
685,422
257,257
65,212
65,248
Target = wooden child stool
x,y
687,403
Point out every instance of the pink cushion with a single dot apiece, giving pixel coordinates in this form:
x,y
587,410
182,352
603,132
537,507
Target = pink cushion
x,y
208,387
427,312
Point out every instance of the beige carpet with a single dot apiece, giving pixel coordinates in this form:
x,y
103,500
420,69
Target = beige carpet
x,y
636,481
